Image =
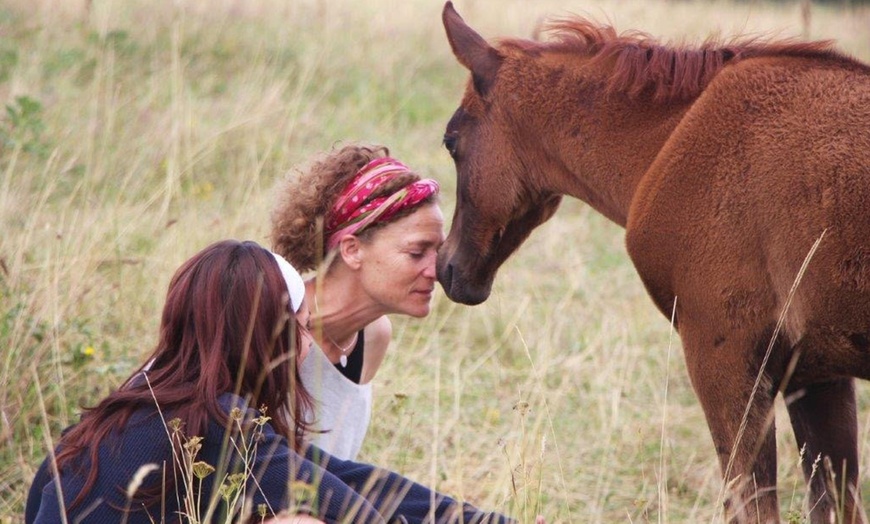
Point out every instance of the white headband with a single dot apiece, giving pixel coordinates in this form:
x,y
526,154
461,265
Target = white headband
x,y
295,285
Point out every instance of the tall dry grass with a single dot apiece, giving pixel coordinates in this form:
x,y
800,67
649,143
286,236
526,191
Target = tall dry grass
x,y
136,132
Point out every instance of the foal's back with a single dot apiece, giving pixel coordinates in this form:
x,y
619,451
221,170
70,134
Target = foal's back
x,y
773,155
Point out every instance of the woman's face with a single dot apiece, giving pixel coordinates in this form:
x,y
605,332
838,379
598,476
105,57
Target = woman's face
x,y
303,333
397,267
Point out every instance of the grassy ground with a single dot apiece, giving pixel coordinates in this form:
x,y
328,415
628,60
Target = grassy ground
x,y
137,132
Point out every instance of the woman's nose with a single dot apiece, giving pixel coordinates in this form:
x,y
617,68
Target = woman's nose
x,y
430,270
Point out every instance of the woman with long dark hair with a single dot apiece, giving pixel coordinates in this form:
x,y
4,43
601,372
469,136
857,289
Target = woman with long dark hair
x,y
208,429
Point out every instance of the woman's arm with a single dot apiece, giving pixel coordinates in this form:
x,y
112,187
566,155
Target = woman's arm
x,y
398,498
336,490
283,480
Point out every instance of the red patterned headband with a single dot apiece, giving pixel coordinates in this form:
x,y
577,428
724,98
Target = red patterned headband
x,y
351,213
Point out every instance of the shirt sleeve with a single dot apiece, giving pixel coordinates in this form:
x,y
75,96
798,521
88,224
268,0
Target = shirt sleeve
x,y
41,480
397,498
283,480
336,490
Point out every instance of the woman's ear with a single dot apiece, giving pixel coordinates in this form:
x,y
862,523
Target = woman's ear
x,y
350,250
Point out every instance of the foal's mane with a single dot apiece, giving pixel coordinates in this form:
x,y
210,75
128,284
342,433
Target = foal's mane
x,y
669,73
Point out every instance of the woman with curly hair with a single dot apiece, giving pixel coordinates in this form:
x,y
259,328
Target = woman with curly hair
x,y
371,227
206,429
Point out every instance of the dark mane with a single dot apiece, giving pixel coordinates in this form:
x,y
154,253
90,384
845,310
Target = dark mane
x,y
669,73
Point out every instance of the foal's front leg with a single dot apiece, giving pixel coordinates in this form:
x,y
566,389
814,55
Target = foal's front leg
x,y
723,376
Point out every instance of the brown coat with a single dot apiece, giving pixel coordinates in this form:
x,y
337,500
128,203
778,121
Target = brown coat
x,y
730,166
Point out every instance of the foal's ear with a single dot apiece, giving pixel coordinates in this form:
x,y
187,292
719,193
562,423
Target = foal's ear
x,y
471,49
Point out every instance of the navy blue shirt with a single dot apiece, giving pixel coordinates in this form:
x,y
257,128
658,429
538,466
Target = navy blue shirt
x,y
340,491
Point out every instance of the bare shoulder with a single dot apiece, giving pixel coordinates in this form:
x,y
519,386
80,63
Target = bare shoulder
x,y
378,335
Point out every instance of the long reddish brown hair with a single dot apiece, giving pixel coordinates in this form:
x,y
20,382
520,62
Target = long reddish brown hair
x,y
226,327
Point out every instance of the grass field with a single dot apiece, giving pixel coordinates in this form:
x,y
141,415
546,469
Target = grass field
x,y
137,132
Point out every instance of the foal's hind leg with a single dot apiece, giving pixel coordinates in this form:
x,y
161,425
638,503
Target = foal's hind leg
x,y
723,376
824,420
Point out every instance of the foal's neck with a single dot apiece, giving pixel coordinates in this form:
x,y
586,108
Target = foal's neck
x,y
619,140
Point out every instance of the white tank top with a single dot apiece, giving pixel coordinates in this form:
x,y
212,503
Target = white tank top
x,y
340,406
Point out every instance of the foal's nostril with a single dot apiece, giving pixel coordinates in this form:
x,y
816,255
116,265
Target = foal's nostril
x,y
445,276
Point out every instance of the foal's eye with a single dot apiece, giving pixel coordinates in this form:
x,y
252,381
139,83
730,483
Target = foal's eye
x,y
450,144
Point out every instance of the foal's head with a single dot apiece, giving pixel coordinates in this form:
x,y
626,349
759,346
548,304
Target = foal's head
x,y
584,114
499,196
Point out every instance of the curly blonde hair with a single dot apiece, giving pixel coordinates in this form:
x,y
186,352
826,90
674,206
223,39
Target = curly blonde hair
x,y
297,234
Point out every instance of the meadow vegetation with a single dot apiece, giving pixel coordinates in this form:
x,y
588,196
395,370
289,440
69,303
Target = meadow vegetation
x,y
136,132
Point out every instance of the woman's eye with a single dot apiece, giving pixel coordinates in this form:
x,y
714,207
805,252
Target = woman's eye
x,y
416,255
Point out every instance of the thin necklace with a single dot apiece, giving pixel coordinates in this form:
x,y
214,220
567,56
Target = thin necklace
x,y
343,358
